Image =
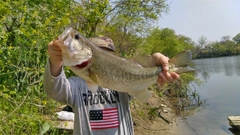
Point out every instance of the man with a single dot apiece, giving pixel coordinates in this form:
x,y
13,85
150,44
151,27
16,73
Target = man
x,y
98,111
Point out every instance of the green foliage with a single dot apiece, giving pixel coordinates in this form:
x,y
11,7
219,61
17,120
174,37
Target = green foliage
x,y
23,101
44,128
236,39
91,16
225,47
166,42
130,21
153,112
183,85
217,49
136,15
24,34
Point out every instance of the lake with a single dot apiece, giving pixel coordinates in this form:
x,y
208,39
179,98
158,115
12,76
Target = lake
x,y
221,89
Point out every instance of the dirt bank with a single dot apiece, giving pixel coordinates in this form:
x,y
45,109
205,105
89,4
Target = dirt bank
x,y
156,118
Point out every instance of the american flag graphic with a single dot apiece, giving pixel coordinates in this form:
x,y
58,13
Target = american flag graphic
x,y
104,119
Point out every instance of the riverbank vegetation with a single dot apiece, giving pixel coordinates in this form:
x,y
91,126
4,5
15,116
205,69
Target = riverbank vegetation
x,y
27,26
225,47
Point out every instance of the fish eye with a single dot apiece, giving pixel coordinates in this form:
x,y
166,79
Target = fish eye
x,y
77,36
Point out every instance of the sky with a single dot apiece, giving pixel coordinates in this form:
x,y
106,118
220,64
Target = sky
x,y
212,19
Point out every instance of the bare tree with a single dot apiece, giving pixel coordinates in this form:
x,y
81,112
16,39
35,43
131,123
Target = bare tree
x,y
202,42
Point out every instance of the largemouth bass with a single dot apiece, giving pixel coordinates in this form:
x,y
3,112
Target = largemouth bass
x,y
108,70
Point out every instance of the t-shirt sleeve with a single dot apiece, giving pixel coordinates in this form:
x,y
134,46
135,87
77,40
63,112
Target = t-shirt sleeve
x,y
58,88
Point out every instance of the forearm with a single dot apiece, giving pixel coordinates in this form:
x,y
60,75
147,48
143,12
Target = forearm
x,y
56,87
55,66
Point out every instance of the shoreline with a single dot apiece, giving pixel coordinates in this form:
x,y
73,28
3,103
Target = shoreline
x,y
156,118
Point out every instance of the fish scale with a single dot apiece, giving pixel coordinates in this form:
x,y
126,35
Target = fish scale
x,y
125,71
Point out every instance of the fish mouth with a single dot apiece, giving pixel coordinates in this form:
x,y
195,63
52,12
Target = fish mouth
x,y
83,64
65,33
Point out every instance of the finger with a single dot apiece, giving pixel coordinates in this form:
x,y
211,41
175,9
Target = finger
x,y
51,43
162,60
175,75
54,50
165,63
54,45
162,77
55,53
57,42
168,76
165,67
160,81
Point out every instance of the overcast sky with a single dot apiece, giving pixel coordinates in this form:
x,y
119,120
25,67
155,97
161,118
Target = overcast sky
x,y
212,19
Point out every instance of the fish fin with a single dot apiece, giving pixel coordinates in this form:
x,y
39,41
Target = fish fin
x,y
104,43
185,69
93,76
107,49
182,59
145,61
141,95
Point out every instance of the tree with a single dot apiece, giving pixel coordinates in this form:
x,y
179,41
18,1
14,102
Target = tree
x,y
136,15
202,41
164,41
119,20
91,15
22,24
236,39
225,47
131,19
225,38
186,42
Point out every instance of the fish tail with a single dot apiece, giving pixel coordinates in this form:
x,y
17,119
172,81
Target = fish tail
x,y
180,62
142,95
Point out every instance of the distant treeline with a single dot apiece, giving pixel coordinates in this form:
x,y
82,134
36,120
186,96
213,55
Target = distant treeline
x,y
225,47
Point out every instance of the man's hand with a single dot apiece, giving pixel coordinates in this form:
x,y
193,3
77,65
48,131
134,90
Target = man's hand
x,y
164,76
55,57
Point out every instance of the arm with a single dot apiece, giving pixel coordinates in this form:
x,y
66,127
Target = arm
x,y
55,82
55,57
165,76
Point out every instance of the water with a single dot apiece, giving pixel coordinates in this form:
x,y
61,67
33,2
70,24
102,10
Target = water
x,y
222,92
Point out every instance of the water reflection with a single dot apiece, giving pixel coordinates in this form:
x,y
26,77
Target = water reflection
x,y
221,90
234,131
229,65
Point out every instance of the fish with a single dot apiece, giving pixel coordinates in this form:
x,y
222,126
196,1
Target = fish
x,y
107,69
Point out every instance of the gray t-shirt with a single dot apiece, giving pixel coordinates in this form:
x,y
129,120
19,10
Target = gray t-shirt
x,y
105,112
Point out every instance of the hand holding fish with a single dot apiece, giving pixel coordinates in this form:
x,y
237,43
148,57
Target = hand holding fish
x,y
55,57
164,76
